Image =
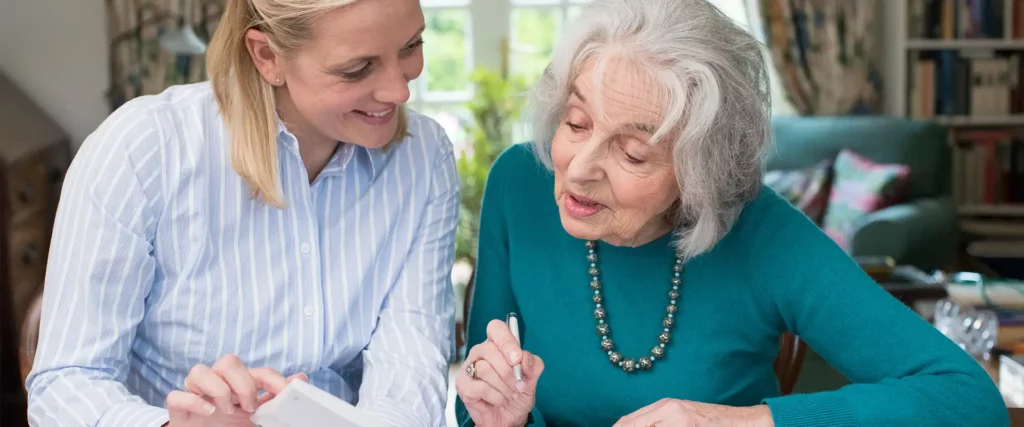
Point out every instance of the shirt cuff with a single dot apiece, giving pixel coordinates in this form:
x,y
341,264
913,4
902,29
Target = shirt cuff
x,y
391,414
816,409
534,419
135,414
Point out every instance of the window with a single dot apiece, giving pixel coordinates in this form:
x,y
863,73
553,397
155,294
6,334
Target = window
x,y
443,87
534,27
464,34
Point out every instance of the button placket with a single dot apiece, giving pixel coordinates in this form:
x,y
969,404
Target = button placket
x,y
313,310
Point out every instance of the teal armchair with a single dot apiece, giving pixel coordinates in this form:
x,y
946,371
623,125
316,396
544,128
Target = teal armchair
x,y
922,232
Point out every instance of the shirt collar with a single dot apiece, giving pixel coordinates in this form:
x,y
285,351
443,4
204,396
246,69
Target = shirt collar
x,y
339,160
373,157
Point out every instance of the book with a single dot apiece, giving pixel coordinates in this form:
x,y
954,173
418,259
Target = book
x,y
301,404
974,291
1011,379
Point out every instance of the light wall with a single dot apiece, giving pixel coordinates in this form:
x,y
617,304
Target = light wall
x,y
55,50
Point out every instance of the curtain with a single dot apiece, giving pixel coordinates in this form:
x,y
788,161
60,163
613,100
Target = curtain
x,y
824,54
152,44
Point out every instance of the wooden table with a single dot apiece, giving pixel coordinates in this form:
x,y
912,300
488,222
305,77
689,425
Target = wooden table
x,y
1016,414
909,293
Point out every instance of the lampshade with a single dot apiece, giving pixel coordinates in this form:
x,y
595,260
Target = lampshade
x,y
182,41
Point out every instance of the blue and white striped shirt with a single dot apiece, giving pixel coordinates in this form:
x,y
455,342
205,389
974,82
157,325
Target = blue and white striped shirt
x,y
161,260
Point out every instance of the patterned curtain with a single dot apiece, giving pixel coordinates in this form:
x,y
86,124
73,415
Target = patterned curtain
x,y
157,43
824,53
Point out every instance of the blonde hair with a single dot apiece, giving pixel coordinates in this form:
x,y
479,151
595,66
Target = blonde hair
x,y
247,101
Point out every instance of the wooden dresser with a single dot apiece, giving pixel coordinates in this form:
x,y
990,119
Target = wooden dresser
x,y
34,154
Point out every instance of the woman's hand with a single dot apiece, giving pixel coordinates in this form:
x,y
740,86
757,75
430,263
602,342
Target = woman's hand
x,y
684,413
492,395
225,395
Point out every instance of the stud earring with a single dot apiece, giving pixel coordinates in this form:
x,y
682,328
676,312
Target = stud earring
x,y
277,80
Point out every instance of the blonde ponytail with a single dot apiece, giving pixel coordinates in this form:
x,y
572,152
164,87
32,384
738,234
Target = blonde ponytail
x,y
246,99
246,103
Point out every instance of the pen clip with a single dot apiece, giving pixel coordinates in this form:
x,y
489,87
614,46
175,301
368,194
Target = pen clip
x,y
512,320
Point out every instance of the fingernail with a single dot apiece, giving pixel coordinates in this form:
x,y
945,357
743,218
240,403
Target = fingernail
x,y
247,406
513,356
521,386
209,408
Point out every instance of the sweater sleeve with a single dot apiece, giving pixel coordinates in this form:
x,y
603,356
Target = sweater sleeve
x,y
903,370
491,296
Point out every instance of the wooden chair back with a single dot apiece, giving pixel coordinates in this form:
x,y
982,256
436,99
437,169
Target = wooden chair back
x,y
789,361
29,334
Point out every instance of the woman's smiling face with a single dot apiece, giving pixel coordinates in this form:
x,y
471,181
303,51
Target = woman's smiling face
x,y
348,82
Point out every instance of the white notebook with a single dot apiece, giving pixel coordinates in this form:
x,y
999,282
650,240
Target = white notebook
x,y
301,404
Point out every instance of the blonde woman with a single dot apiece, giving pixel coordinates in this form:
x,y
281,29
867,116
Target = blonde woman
x,y
288,219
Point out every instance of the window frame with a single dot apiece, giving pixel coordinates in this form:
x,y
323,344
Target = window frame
x,y
490,42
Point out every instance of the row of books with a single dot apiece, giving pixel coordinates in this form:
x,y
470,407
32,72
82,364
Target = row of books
x,y
966,19
984,83
988,167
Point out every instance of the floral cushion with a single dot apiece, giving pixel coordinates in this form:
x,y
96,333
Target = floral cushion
x,y
807,189
860,187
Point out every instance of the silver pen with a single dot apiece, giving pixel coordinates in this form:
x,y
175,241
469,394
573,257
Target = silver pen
x,y
513,324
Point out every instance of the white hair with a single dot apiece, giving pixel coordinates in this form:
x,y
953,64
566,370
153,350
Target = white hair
x,y
713,76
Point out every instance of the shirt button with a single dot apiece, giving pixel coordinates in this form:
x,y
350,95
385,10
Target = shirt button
x,y
308,311
304,248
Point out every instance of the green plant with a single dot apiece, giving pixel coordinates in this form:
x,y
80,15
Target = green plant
x,y
496,107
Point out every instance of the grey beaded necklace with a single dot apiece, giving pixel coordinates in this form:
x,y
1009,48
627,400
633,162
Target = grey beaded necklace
x,y
629,364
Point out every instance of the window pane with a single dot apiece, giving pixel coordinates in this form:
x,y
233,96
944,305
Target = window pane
x,y
735,9
534,31
536,2
573,12
453,118
414,90
444,3
445,52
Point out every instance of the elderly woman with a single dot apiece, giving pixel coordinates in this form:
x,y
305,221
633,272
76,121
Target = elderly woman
x,y
657,281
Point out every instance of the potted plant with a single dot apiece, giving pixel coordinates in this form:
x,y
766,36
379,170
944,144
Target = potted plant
x,y
496,106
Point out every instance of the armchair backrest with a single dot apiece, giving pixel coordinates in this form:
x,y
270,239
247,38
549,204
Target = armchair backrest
x,y
804,141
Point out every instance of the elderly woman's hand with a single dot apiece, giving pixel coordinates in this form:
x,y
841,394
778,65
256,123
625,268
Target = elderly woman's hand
x,y
489,388
684,413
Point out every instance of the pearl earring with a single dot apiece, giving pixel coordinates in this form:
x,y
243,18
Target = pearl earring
x,y
277,80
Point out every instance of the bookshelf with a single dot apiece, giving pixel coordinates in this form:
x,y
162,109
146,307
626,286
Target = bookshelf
x,y
930,44
962,63
992,210
988,121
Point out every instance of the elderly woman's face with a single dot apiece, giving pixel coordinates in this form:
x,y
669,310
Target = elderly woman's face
x,y
611,183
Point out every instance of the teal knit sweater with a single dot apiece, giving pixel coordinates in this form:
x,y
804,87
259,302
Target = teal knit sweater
x,y
774,272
